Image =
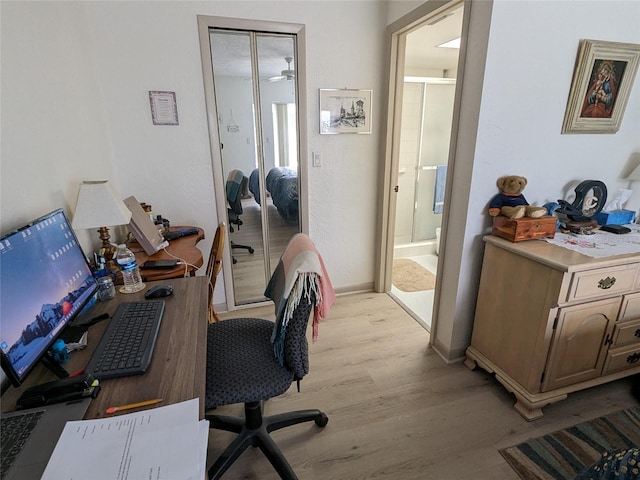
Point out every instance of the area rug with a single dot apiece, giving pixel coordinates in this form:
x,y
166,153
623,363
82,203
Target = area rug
x,y
410,276
564,454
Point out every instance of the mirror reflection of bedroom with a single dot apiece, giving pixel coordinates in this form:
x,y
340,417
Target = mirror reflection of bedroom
x,y
427,111
255,91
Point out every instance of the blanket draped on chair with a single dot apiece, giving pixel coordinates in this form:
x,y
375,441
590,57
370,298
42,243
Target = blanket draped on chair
x,y
299,273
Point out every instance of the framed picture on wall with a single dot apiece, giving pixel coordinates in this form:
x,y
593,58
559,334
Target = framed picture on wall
x,y
345,111
601,86
164,110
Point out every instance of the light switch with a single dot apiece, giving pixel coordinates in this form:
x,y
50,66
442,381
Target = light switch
x,y
317,159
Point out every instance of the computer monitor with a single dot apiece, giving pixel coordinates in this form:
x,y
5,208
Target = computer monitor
x,y
45,281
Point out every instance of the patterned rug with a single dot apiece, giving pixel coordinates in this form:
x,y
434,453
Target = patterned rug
x,y
564,454
410,276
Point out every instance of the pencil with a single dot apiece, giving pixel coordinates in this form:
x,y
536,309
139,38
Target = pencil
x,y
133,405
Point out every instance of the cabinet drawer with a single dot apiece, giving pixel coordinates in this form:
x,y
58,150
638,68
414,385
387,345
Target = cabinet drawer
x,y
630,306
626,333
621,358
603,281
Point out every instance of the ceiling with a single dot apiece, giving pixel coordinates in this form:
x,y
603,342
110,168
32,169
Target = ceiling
x,y
422,43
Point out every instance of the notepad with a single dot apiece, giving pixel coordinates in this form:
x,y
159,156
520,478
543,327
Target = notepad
x,y
163,443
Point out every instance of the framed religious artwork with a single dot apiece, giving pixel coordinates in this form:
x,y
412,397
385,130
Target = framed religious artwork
x,y
345,111
601,86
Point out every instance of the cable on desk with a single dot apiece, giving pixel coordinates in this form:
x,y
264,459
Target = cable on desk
x,y
181,261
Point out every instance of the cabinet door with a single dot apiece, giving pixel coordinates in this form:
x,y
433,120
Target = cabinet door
x,y
580,343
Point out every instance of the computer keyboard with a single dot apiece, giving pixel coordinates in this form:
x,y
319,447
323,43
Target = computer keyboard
x,y
127,345
15,433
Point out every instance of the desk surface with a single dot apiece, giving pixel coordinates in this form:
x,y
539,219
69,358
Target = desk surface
x,y
178,367
183,248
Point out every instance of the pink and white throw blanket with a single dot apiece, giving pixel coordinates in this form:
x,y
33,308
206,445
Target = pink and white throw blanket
x,y
299,272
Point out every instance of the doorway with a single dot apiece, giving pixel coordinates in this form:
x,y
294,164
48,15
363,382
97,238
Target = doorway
x,y
253,72
422,122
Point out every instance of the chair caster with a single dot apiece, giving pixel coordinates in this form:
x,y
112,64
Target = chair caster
x,y
322,421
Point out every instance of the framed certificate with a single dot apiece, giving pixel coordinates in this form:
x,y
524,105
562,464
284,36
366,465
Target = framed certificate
x,y
164,110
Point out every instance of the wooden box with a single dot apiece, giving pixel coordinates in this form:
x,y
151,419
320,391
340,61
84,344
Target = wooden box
x,y
524,228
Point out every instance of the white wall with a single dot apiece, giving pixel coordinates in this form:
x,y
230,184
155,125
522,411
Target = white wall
x,y
524,94
54,129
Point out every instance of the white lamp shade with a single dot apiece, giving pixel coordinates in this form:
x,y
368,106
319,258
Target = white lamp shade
x,y
635,175
98,206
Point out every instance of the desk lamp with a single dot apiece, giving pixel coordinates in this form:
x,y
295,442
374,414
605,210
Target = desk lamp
x,y
98,205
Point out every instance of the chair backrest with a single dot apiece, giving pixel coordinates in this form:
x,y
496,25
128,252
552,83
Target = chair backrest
x,y
214,266
237,185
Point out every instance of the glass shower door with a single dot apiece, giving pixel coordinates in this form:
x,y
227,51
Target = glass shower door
x,y
431,172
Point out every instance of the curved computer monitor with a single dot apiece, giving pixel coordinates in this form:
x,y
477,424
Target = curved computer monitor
x,y
45,281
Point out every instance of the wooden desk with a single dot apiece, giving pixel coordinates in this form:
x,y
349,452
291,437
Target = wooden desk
x,y
177,370
183,248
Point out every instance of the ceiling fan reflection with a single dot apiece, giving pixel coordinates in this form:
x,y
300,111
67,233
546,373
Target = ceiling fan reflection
x,y
287,74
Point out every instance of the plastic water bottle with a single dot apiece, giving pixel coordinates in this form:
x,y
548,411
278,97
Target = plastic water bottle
x,y
126,260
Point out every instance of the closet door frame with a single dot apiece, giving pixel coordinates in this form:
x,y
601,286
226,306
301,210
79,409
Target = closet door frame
x,y
205,24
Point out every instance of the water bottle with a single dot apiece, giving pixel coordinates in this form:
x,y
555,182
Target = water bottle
x,y
131,278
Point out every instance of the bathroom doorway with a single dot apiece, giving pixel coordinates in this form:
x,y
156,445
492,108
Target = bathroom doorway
x,y
424,124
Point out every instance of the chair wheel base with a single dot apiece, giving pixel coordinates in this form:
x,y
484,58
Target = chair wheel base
x,y
254,431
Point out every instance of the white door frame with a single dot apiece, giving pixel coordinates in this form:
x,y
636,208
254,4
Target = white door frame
x,y
451,296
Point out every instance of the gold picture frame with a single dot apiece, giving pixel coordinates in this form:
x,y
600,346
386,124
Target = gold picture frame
x,y
601,86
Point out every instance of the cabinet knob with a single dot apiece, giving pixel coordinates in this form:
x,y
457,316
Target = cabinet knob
x,y
637,333
606,283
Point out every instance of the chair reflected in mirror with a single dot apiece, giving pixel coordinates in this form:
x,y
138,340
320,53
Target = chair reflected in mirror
x,y
237,187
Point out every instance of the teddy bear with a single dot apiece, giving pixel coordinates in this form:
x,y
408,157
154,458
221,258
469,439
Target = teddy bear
x,y
510,202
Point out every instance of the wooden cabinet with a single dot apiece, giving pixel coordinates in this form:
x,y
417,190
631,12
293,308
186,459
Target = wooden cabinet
x,y
550,321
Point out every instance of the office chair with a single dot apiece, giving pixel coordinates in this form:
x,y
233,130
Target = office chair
x,y
243,368
214,265
237,185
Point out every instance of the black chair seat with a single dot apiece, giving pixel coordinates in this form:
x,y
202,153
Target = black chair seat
x,y
241,366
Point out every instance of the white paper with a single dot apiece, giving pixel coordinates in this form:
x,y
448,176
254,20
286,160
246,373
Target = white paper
x,y
600,244
163,443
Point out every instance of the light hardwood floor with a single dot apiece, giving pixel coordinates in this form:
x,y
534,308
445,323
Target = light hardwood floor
x,y
396,410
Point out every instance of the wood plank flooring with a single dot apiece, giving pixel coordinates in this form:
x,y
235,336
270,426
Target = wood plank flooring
x,y
396,410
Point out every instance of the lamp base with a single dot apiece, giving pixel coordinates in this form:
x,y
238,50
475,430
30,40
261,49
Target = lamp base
x,y
108,251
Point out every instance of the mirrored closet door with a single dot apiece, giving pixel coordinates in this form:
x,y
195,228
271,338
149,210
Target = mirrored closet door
x,y
255,88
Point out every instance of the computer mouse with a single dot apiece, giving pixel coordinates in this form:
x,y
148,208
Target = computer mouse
x,y
158,291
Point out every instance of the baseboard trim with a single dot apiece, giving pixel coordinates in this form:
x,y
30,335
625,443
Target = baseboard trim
x,y
449,356
362,288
